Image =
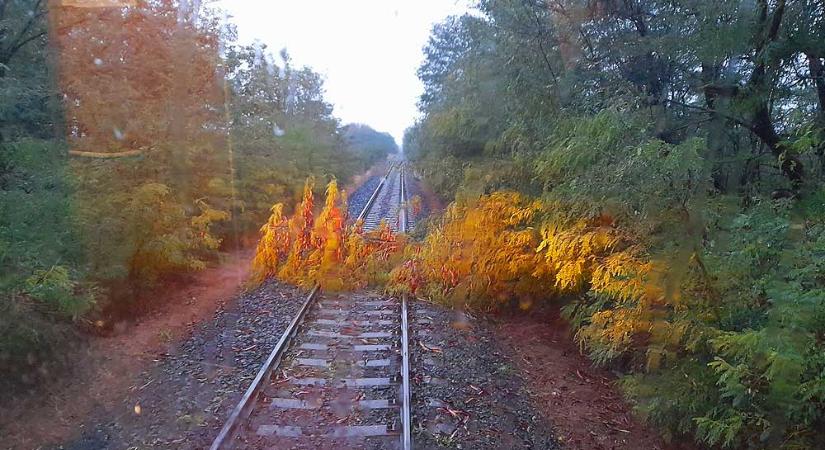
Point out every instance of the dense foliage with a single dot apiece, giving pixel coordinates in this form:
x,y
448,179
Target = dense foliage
x,y
374,145
137,143
325,250
656,169
282,131
40,260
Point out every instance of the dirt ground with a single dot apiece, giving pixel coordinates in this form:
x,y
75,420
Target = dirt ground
x,y
107,367
582,402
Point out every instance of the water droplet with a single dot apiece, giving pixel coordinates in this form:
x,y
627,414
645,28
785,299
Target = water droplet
x,y
277,131
98,62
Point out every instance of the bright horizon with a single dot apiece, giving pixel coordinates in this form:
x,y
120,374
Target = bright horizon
x,y
367,50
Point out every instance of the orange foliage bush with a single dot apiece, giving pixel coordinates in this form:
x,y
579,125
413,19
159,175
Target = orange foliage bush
x,y
501,249
306,250
481,255
498,250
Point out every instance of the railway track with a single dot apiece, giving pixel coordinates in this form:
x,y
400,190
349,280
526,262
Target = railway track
x,y
386,202
339,376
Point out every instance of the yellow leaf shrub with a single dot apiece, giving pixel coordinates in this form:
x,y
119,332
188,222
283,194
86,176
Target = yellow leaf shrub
x,y
502,249
481,255
306,250
369,256
299,229
495,251
327,238
273,247
600,260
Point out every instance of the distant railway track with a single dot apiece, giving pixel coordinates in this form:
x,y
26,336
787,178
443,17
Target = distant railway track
x,y
387,202
339,375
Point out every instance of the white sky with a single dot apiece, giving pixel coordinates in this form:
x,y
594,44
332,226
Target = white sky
x,y
368,50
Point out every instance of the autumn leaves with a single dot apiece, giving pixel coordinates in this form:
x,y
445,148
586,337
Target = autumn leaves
x,y
305,249
485,254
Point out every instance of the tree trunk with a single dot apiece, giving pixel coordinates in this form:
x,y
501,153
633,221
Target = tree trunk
x,y
716,126
756,93
817,70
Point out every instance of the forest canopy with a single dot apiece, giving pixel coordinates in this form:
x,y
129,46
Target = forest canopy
x,y
375,145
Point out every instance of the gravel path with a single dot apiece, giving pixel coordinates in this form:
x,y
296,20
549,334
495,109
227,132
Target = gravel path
x,y
467,393
182,401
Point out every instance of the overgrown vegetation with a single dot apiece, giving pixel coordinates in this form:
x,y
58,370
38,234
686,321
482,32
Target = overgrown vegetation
x,y
655,168
136,144
325,250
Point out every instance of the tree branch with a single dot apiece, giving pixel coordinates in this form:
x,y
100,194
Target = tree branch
x,y
735,119
103,155
21,40
540,31
22,43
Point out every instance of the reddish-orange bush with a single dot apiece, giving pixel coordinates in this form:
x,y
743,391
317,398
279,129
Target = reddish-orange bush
x,y
481,255
306,250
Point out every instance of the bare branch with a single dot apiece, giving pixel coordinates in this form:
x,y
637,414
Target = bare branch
x,y
21,39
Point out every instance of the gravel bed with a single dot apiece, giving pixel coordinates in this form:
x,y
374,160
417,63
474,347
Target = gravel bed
x,y
359,198
335,404
183,400
467,393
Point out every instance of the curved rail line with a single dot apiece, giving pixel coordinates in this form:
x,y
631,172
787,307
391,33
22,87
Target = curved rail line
x,y
334,354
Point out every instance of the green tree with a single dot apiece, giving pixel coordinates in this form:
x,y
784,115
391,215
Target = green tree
x,y
692,130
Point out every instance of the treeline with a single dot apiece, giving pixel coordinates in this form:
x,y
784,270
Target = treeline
x,y
656,169
374,144
139,142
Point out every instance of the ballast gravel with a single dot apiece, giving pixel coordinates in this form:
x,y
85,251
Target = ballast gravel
x,y
358,199
467,393
183,400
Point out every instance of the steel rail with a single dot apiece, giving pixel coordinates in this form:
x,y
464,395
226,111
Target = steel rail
x,y
402,212
374,196
244,407
406,398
